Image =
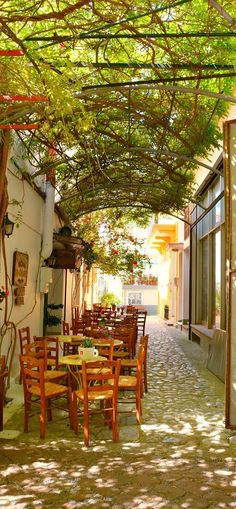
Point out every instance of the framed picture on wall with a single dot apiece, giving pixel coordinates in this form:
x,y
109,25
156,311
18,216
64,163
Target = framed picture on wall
x,y
20,269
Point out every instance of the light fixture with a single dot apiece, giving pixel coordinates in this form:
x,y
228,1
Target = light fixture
x,y
51,261
8,226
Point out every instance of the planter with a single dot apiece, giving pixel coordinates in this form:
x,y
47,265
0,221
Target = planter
x,y
87,353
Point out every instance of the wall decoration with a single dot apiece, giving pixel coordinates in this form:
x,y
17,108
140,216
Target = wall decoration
x,y
20,269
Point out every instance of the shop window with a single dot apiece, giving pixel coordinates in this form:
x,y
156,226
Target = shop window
x,y
204,299
216,278
210,260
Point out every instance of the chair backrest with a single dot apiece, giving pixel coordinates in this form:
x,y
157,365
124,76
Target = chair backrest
x,y
33,374
140,362
78,326
47,347
101,379
98,332
132,326
144,342
24,336
75,313
141,320
65,328
106,349
124,334
130,309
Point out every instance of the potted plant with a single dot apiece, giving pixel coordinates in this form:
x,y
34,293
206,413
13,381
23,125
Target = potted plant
x,y
3,294
102,321
87,349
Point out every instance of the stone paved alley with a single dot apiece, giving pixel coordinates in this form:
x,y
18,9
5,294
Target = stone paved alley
x,y
180,457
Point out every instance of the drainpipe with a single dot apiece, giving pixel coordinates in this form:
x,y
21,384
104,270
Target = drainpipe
x,y
48,222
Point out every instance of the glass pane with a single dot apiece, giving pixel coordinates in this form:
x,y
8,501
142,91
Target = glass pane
x,y
134,299
204,279
205,224
216,211
217,279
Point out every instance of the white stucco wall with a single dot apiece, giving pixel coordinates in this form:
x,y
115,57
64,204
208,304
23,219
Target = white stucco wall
x,y
26,238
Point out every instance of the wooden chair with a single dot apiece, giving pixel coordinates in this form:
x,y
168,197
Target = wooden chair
x,y
131,323
131,364
98,332
100,387
106,348
38,390
24,337
130,309
47,348
141,322
3,375
65,328
68,348
78,326
134,384
124,334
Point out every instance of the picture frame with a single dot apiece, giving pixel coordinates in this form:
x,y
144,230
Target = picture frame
x,y
20,269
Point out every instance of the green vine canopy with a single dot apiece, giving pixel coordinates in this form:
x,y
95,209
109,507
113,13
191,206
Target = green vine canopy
x,y
127,93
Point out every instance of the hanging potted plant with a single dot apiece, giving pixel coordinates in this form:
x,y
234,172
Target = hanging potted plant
x,y
3,294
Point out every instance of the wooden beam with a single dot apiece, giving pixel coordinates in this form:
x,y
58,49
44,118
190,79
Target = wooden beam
x,y
23,98
11,53
18,127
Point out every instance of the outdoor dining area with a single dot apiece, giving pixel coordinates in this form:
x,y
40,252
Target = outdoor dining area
x,y
95,366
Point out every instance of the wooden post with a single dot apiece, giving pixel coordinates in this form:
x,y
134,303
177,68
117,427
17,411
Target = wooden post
x,y
230,211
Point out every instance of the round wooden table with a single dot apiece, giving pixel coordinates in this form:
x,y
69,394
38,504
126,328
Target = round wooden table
x,y
74,363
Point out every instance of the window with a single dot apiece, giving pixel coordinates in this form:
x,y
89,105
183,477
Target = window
x,y
134,298
204,279
216,278
209,259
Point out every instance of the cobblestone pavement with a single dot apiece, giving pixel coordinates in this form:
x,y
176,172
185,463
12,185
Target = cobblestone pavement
x,y
180,457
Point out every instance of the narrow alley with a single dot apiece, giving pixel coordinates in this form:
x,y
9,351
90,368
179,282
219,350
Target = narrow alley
x,y
180,457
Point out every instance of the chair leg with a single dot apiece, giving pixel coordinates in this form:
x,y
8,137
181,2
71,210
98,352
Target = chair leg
x,y
86,425
42,418
70,406
145,379
138,408
27,406
75,413
115,435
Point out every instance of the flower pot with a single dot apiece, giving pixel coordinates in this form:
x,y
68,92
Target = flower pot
x,y
87,353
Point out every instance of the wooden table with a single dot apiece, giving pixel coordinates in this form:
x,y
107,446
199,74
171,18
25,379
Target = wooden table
x,y
77,340
74,362
71,339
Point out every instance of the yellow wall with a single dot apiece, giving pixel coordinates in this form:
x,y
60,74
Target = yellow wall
x,y
160,235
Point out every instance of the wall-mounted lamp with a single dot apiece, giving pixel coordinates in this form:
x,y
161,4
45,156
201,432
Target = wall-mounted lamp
x,y
8,226
51,261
